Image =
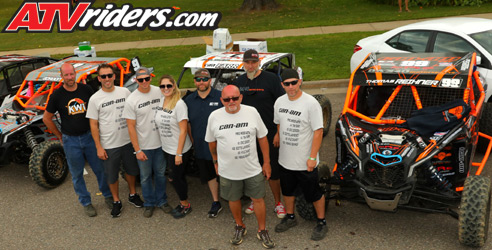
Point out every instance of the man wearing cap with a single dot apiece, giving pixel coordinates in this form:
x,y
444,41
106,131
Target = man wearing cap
x,y
200,104
299,121
110,134
70,101
232,133
139,112
261,89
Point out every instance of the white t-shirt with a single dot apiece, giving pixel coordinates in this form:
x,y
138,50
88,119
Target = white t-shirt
x,y
236,135
298,120
141,107
167,121
107,109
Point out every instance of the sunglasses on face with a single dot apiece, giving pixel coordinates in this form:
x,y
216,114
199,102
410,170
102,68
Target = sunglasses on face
x,y
166,86
229,99
146,79
202,79
106,76
286,84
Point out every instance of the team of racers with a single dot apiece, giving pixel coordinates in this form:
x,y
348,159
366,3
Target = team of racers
x,y
152,128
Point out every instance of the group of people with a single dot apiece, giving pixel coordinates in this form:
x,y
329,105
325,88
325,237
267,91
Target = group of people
x,y
153,128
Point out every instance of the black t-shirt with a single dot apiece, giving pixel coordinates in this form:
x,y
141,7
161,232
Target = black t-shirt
x,y
261,93
72,107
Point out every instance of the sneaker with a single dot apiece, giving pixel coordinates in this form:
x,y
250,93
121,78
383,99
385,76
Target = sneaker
x,y
285,224
180,211
109,201
117,207
166,208
319,232
265,239
215,209
90,210
148,212
239,233
250,209
135,200
280,210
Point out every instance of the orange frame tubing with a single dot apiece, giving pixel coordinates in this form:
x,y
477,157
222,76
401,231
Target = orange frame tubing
x,y
481,164
41,91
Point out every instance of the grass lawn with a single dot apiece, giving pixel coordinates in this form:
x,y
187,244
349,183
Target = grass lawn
x,y
292,14
320,56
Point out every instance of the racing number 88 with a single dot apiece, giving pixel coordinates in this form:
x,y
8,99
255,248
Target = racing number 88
x,y
414,63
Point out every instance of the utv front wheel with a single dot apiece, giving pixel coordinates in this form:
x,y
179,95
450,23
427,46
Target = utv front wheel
x,y
474,211
47,164
325,104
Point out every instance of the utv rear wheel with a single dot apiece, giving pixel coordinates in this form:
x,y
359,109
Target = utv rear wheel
x,y
47,164
306,209
325,104
474,211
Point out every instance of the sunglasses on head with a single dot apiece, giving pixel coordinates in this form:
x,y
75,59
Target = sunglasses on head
x,y
286,84
106,76
202,79
229,99
166,86
143,79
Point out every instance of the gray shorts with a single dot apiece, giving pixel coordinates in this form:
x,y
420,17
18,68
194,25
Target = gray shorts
x,y
117,157
233,190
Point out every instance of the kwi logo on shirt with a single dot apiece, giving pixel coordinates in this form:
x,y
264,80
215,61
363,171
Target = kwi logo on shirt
x,y
76,106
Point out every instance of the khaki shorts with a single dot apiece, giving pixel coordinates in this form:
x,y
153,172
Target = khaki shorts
x,y
233,190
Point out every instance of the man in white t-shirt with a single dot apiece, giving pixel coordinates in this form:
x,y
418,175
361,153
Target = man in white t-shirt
x,y
299,122
110,134
231,134
139,113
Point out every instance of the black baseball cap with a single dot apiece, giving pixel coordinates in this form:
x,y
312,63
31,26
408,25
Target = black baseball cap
x,y
289,73
251,55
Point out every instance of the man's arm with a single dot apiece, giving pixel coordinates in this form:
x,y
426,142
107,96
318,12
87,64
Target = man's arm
x,y
265,151
132,131
315,146
48,121
276,138
213,151
101,153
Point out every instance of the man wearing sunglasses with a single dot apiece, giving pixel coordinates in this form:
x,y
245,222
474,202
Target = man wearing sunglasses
x,y
70,101
139,112
200,104
300,131
110,133
231,133
261,89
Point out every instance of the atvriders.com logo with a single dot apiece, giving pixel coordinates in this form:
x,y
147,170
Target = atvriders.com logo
x,y
40,16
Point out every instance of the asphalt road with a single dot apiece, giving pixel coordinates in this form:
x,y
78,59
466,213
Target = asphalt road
x,y
36,218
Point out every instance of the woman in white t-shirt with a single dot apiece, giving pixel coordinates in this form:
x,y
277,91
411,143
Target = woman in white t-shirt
x,y
172,122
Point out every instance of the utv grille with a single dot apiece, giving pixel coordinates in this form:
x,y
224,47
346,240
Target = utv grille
x,y
386,177
404,103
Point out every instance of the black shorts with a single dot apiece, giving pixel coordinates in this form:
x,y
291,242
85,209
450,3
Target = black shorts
x,y
207,170
116,158
273,157
307,181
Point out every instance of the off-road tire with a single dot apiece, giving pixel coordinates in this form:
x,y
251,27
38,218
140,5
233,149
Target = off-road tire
x,y
474,211
306,209
47,165
325,104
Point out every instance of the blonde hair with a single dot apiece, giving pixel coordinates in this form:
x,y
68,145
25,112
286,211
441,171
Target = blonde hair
x,y
176,94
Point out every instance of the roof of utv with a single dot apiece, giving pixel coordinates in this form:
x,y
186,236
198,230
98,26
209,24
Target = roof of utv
x,y
229,60
13,59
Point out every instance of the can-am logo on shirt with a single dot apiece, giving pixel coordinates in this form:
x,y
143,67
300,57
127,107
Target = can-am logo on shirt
x,y
76,106
40,16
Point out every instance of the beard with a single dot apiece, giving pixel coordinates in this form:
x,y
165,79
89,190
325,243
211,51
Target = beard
x,y
251,75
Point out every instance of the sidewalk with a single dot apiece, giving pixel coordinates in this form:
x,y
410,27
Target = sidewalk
x,y
379,26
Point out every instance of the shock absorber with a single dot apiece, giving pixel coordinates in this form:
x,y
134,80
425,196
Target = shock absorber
x,y
345,168
440,180
30,139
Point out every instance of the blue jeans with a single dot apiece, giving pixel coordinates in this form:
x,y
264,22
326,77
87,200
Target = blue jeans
x,y
154,193
78,149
